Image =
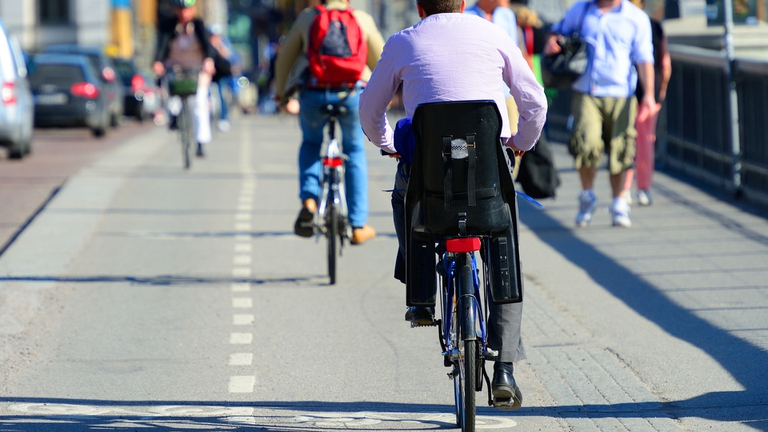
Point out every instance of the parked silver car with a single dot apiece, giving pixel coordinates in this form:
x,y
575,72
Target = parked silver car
x,y
16,106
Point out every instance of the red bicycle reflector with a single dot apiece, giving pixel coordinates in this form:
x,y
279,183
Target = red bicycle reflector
x,y
86,90
332,162
463,245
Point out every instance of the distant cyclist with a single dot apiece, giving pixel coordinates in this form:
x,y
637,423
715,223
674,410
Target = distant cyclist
x,y
312,96
184,42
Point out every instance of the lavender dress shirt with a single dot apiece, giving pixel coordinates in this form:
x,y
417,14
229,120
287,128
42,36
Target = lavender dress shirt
x,y
452,57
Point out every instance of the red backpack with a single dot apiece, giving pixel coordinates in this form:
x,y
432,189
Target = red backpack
x,y
337,51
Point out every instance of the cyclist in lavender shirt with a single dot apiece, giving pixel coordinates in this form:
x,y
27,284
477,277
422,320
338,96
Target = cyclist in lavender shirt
x,y
450,56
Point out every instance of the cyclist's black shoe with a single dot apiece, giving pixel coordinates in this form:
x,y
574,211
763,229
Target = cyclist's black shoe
x,y
174,125
506,394
304,223
200,150
420,316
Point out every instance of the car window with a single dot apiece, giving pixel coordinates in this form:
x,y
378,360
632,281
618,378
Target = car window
x,y
56,74
126,71
96,66
18,55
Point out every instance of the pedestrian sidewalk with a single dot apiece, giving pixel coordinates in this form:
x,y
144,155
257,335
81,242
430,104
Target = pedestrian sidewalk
x,y
662,326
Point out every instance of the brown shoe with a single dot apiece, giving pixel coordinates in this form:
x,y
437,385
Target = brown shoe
x,y
360,235
304,226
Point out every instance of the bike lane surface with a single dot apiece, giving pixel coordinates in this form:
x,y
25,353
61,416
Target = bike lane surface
x,y
169,299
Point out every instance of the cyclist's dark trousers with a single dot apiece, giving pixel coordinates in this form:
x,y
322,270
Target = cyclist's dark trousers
x,y
504,321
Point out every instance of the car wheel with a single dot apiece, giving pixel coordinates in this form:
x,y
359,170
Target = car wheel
x,y
114,120
99,132
16,150
28,146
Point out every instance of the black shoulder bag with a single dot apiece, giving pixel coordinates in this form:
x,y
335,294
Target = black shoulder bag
x,y
562,69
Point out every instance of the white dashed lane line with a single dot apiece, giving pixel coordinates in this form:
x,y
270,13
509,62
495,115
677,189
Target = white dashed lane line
x,y
242,379
242,384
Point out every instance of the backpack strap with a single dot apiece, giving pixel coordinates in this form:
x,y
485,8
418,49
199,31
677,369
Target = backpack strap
x,y
471,168
447,173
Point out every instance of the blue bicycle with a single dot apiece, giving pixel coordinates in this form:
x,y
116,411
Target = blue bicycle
x,y
460,204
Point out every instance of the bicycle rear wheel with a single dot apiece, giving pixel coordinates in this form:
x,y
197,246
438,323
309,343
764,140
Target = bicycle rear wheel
x,y
185,130
465,380
332,232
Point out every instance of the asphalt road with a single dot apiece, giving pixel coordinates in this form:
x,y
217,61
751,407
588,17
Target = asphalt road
x,y
146,297
57,154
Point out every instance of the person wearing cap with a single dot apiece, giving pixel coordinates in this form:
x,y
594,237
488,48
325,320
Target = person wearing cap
x,y
183,41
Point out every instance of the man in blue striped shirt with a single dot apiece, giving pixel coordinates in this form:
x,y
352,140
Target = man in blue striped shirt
x,y
618,35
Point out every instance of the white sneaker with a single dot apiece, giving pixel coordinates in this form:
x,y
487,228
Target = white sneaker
x,y
620,213
627,194
224,125
643,197
587,206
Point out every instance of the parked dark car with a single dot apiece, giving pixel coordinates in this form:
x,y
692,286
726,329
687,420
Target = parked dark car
x,y
15,99
68,92
139,90
101,62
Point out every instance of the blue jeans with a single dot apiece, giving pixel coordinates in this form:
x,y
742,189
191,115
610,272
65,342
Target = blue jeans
x,y
313,129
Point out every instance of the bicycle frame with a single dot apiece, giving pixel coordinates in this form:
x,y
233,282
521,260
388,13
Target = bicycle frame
x,y
471,302
334,190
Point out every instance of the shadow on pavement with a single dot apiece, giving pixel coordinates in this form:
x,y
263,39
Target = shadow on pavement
x,y
58,414
743,360
51,414
160,280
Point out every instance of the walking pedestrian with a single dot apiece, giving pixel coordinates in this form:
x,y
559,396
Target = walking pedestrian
x,y
618,35
646,127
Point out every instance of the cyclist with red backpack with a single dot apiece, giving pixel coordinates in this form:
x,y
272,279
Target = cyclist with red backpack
x,y
339,47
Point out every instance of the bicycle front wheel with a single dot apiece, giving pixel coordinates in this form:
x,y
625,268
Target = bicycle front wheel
x,y
332,232
468,377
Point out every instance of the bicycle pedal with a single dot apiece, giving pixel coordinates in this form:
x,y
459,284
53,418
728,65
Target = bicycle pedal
x,y
491,354
432,323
